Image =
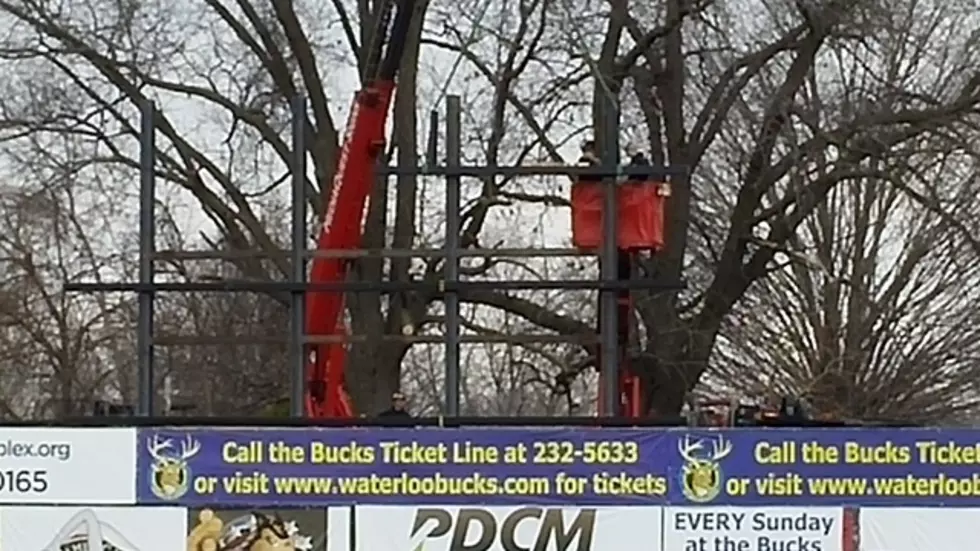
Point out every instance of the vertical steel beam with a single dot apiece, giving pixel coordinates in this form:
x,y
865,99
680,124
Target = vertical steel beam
x,y
297,312
453,227
608,261
147,249
432,146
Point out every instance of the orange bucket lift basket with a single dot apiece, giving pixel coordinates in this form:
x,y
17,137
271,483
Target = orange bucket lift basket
x,y
641,214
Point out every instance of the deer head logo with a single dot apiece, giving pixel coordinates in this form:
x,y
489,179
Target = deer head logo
x,y
170,474
701,476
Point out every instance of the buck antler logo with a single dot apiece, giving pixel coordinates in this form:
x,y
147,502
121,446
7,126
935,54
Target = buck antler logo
x,y
170,473
701,476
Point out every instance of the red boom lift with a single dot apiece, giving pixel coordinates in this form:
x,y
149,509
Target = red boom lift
x,y
342,227
641,204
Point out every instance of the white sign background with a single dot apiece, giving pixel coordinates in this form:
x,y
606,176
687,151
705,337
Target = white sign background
x,y
384,528
129,528
949,529
747,528
98,468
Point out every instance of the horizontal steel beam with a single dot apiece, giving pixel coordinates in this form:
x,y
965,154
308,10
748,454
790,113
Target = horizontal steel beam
x,y
656,172
520,252
369,287
366,421
526,338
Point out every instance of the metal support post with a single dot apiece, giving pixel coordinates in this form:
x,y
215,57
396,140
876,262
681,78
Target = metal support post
x,y
608,261
147,246
453,227
297,312
432,145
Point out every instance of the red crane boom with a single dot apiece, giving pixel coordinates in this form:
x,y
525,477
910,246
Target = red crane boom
x,y
342,228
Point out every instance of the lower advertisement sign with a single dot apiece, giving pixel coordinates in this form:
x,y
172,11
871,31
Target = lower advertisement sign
x,y
757,529
919,529
492,528
258,530
92,528
533,528
530,528
68,465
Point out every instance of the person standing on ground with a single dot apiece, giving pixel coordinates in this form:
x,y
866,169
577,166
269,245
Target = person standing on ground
x,y
398,409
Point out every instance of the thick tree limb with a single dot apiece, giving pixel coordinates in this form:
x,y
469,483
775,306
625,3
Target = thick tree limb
x,y
529,310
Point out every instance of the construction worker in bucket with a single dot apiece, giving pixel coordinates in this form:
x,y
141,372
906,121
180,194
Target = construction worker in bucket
x,y
589,158
637,159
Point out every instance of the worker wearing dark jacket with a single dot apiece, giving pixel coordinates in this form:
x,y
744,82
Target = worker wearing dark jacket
x,y
589,158
638,160
398,408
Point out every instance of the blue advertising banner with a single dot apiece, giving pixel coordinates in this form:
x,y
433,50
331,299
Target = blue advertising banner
x,y
314,467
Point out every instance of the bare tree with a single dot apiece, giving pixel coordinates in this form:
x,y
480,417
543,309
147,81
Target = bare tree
x,y
59,351
873,317
774,113
222,73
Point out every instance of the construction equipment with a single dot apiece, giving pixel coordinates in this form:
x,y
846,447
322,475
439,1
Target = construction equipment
x,y
640,201
354,178
769,411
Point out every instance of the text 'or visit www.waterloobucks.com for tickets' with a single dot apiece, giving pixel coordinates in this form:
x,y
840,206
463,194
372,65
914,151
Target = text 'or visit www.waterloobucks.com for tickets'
x,y
599,468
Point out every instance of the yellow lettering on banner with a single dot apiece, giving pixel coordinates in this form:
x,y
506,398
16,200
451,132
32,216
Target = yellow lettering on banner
x,y
819,454
413,453
397,456
468,453
888,453
349,454
281,452
789,484
570,485
931,452
777,479
248,484
623,484
555,452
204,485
234,452
516,453
775,454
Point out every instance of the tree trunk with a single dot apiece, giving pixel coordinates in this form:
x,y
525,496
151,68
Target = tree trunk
x,y
374,368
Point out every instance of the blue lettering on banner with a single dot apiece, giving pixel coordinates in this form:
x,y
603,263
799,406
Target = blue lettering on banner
x,y
308,467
